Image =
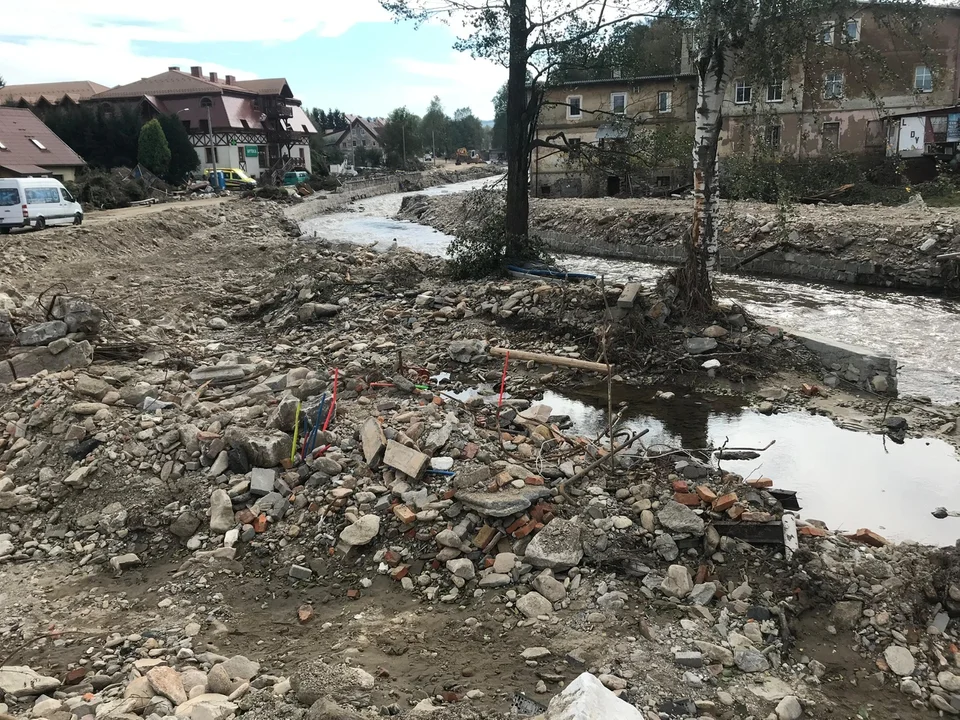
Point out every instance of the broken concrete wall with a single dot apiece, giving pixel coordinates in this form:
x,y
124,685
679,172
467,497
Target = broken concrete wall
x,y
860,366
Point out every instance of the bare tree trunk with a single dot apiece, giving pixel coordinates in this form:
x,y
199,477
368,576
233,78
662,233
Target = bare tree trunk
x,y
714,70
518,133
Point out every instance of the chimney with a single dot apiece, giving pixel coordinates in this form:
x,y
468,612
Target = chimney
x,y
174,67
196,71
213,77
231,80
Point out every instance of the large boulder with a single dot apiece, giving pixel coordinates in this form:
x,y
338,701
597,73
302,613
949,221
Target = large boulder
x,y
587,699
680,519
266,451
557,546
21,681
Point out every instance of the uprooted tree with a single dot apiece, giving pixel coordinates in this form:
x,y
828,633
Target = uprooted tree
x,y
528,38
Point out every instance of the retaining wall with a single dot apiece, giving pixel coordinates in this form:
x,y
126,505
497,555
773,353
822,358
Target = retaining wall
x,y
354,189
852,363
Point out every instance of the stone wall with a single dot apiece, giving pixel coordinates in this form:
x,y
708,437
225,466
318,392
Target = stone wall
x,y
852,363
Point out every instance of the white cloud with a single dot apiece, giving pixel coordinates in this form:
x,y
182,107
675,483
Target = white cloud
x,y
461,82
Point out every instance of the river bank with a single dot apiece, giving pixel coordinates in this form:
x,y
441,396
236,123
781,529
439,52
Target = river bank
x,y
870,246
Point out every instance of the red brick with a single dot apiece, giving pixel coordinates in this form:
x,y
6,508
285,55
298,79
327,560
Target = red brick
x,y
448,495
680,486
470,451
75,676
245,516
701,576
533,480
484,536
399,572
760,483
404,514
706,494
735,512
260,523
527,529
868,537
488,562
724,502
353,593
517,524
691,499
391,558
811,531
541,510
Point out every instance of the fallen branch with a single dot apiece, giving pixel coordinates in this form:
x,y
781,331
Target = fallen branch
x,y
562,486
552,360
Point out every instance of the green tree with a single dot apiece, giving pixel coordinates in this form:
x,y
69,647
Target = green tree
x,y
401,138
183,156
435,128
466,130
153,151
499,139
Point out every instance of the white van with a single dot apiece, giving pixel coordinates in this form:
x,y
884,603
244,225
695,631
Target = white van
x,y
36,202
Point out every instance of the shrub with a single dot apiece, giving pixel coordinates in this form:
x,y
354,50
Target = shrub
x,y
153,150
105,191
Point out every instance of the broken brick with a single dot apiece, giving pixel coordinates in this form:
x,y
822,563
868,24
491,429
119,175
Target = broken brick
x,y
75,676
757,517
391,558
868,537
539,511
533,480
470,451
404,514
811,531
353,593
680,486
246,516
735,512
517,524
689,499
400,572
260,523
763,482
527,529
724,502
484,536
706,494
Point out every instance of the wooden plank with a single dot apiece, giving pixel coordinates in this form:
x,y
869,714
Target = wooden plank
x,y
552,360
407,460
373,441
629,295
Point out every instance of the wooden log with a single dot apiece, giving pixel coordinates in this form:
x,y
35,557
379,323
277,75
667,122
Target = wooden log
x,y
552,360
407,460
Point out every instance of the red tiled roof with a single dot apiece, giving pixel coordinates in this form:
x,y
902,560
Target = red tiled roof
x,y
53,92
18,128
171,82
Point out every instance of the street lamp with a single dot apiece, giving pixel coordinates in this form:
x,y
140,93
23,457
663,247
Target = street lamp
x,y
208,103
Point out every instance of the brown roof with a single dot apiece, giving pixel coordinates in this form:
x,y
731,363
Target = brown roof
x,y
18,128
266,86
53,92
171,82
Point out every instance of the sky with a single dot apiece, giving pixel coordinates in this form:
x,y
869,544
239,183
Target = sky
x,y
346,54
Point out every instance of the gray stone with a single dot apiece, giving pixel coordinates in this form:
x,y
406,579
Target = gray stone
x,y
315,311
209,706
680,519
504,503
587,699
221,512
463,351
241,667
218,374
948,681
677,583
327,709
80,315
533,604
42,333
186,524
716,653
548,586
846,614
789,708
262,481
556,546
612,601
92,387
495,580
749,659
220,682
362,531
21,681
703,593
899,660
666,547
299,572
265,451
462,568
314,679
688,658
941,703
504,562
698,345
124,562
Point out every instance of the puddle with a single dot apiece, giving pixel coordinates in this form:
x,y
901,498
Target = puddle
x,y
845,478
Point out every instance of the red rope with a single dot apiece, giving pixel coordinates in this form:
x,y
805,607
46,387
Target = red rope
x,y
503,378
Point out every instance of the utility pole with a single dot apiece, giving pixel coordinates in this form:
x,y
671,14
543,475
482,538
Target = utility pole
x,y
403,135
207,103
433,142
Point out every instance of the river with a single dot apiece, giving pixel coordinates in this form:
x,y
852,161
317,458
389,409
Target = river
x,y
845,478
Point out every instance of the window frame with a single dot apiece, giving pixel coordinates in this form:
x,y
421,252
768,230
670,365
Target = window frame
x,y
823,135
39,145
570,113
741,86
846,33
827,27
667,107
613,106
771,86
767,133
827,83
929,73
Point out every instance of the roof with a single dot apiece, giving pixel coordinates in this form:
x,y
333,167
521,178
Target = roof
x,y
266,86
627,80
171,82
18,128
53,92
948,109
25,169
334,137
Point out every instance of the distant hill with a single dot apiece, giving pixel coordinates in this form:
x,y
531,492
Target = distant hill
x,y
487,123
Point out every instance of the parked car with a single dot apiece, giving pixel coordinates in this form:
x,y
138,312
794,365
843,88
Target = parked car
x,y
233,178
36,202
295,177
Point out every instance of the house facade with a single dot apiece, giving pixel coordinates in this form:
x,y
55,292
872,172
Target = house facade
x,y
30,148
605,114
255,125
361,133
902,103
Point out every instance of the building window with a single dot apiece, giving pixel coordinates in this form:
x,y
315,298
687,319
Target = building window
x,y
618,103
40,145
775,92
852,30
211,156
573,106
830,136
246,125
363,142
826,34
186,125
2,146
833,84
663,181
922,79
354,143
204,126
664,101
744,92
771,137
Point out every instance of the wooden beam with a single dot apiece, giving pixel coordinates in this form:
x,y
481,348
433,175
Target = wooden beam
x,y
553,360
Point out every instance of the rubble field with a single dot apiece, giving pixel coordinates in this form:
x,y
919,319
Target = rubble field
x,y
882,246
247,474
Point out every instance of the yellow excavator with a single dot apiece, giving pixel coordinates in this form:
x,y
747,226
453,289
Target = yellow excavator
x,y
468,156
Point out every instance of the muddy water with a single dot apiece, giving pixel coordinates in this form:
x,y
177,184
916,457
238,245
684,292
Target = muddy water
x,y
922,332
847,479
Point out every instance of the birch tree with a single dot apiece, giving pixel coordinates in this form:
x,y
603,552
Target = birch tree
x,y
527,37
